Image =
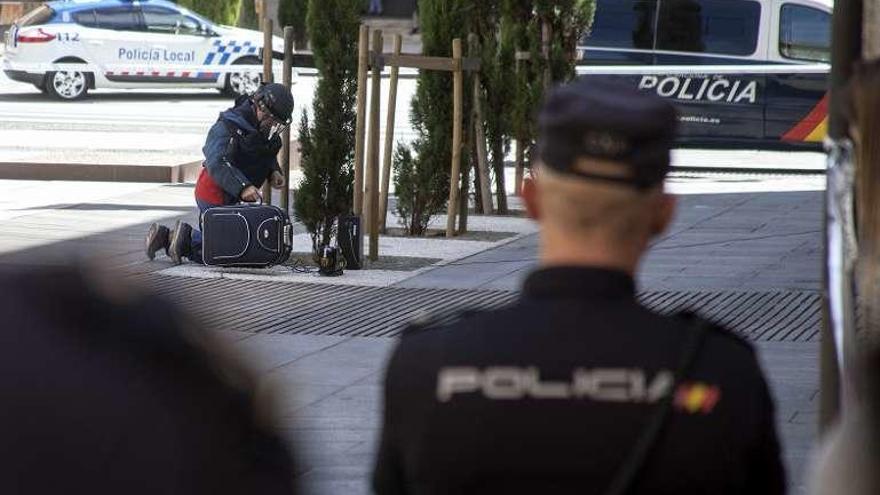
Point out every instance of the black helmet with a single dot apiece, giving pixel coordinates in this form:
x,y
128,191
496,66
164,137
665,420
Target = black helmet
x,y
277,100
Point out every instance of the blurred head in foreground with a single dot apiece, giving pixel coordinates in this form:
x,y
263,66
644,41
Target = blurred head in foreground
x,y
603,154
109,390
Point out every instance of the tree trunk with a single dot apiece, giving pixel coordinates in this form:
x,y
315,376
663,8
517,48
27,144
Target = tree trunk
x,y
519,165
478,199
464,198
498,167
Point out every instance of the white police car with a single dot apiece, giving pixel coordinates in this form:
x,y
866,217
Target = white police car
x,y
65,48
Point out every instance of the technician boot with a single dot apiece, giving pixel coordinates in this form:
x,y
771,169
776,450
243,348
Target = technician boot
x,y
179,245
157,238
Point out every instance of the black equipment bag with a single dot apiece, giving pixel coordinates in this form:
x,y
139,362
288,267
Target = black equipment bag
x,y
257,236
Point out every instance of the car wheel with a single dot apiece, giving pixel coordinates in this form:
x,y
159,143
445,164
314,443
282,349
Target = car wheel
x,y
67,85
243,83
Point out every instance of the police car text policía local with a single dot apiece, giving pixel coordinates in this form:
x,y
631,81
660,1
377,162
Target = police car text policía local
x,y
156,55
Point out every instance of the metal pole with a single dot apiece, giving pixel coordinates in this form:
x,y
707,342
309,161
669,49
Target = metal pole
x,y
389,137
372,190
838,307
268,78
458,89
287,80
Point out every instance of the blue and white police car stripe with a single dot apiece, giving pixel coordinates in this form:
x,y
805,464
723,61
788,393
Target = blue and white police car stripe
x,y
225,49
222,51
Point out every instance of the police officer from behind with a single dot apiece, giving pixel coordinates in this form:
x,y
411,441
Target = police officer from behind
x,y
577,388
240,155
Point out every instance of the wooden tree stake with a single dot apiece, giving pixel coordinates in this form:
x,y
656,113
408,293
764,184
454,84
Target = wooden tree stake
x,y
287,80
389,137
458,89
372,190
360,129
267,77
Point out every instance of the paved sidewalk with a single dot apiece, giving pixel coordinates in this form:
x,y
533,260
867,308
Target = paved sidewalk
x,y
330,384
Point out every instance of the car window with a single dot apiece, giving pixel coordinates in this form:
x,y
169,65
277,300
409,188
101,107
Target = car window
x,y
805,33
117,18
623,24
710,26
159,20
40,15
86,18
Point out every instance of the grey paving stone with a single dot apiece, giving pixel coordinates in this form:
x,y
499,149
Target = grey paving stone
x,y
267,352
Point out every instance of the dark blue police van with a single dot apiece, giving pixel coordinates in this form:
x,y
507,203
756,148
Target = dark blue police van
x,y
743,73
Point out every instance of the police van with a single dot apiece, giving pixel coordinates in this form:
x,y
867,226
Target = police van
x,y
66,48
741,72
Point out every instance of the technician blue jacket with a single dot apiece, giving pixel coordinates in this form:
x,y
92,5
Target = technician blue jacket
x,y
237,155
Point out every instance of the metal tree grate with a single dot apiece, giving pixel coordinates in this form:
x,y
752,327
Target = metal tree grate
x,y
341,310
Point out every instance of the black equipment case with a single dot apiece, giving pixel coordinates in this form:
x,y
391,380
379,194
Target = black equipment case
x,y
257,236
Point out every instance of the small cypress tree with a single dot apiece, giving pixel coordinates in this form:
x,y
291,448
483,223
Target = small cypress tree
x,y
431,116
327,142
293,13
569,20
220,11
521,32
496,72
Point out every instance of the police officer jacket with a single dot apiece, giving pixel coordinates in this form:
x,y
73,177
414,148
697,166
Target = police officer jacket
x,y
237,155
550,395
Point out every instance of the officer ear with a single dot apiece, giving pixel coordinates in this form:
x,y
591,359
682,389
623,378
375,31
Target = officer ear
x,y
663,213
530,198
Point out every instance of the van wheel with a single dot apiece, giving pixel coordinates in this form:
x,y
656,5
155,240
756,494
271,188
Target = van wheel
x,y
67,85
243,83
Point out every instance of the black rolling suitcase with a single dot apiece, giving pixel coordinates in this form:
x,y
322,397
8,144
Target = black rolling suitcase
x,y
256,236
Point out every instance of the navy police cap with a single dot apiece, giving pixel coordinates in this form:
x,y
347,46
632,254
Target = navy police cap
x,y
613,122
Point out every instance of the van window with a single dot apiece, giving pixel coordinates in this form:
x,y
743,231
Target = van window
x,y
623,24
805,33
708,26
118,19
160,20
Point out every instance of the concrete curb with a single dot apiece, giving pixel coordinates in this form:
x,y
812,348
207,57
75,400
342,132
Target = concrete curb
x,y
184,172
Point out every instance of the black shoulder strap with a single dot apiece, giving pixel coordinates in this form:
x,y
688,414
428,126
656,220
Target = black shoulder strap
x,y
628,472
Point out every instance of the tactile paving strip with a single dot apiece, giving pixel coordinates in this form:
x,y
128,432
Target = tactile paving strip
x,y
317,309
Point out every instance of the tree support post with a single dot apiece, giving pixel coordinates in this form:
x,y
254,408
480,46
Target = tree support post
x,y
389,137
458,89
267,78
287,80
360,126
372,183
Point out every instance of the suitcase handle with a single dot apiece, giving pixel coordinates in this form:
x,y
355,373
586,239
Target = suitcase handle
x,y
255,203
